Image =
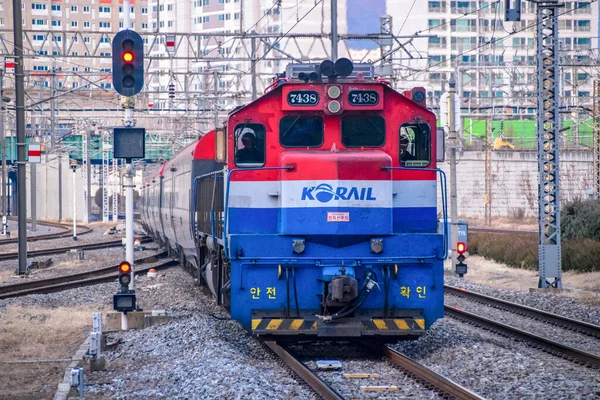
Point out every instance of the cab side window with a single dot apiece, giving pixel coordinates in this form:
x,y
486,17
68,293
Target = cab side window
x,y
415,145
250,145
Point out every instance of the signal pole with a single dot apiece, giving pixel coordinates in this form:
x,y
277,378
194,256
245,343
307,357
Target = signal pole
x,y
3,139
452,142
20,109
548,125
74,168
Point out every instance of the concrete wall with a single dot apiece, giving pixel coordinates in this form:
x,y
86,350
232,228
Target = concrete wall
x,y
47,190
515,181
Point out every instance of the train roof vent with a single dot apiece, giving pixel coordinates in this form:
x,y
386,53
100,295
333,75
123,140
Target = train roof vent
x,y
293,70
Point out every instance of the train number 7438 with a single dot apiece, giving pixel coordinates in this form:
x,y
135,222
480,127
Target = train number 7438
x,y
303,98
363,98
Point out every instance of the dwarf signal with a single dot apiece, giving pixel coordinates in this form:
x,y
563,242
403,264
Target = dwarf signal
x,y
124,301
124,275
461,267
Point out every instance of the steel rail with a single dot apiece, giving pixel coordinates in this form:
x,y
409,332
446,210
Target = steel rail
x,y
537,314
550,346
439,382
58,250
311,379
87,278
68,231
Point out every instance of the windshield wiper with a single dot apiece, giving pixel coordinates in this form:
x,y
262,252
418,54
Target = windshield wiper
x,y
291,126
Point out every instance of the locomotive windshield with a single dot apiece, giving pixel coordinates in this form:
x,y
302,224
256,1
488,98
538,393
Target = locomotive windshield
x,y
301,131
363,131
250,145
415,145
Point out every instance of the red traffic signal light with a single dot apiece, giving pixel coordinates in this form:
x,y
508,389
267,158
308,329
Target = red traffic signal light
x,y
124,267
461,247
124,275
128,62
128,56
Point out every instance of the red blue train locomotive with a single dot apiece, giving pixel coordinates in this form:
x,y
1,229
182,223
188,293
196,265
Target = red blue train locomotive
x,y
313,211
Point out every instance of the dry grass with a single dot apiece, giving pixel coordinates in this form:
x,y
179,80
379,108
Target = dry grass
x,y
505,222
42,333
35,333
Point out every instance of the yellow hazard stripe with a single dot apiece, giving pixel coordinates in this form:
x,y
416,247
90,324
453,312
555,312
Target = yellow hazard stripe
x,y
401,324
421,323
274,324
380,324
295,325
255,323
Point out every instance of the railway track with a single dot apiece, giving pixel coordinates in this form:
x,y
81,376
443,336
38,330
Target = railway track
x,y
58,250
429,378
547,345
71,281
534,313
81,230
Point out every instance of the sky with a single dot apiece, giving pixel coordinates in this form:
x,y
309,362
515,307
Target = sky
x,y
363,17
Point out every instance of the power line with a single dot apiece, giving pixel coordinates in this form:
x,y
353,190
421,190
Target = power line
x,y
583,5
407,15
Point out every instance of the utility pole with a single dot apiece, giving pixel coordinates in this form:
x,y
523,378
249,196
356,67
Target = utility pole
x,y
74,168
20,110
334,31
60,185
85,173
452,144
596,187
3,139
216,93
53,109
489,139
253,65
88,178
548,124
33,166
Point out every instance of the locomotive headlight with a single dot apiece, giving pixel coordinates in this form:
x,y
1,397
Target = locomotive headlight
x,y
376,245
334,92
334,106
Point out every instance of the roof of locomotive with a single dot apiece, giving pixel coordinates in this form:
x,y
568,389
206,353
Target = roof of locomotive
x,y
304,74
205,147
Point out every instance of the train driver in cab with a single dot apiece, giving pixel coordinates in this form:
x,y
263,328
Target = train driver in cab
x,y
249,154
405,154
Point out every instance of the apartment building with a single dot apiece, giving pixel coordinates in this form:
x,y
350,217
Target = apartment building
x,y
70,31
468,38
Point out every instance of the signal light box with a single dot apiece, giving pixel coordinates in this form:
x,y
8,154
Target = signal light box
x,y
129,143
128,62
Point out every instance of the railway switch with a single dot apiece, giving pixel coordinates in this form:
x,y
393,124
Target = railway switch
x,y
461,267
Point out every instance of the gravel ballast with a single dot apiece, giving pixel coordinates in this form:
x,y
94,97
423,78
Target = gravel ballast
x,y
201,354
499,368
550,302
556,333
